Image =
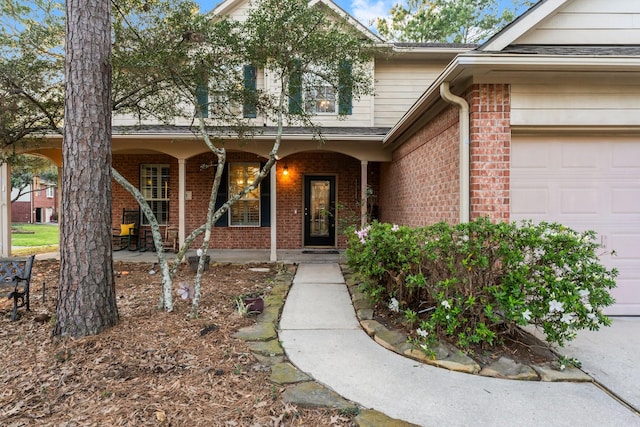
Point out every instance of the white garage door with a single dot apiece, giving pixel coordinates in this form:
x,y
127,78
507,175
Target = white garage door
x,y
586,183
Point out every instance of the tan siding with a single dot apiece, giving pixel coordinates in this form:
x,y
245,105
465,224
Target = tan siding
x,y
575,104
398,86
589,22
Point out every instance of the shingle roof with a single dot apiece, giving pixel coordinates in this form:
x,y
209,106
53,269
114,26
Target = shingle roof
x,y
572,50
266,130
436,45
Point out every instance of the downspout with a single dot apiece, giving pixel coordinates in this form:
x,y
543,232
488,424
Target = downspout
x,y
449,97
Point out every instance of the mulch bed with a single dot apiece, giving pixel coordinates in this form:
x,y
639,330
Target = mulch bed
x,y
153,368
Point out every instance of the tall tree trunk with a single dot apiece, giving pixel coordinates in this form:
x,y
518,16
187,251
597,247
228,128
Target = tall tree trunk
x,y
86,292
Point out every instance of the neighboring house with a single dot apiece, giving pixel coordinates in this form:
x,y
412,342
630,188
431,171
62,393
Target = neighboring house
x,y
542,121
44,199
37,204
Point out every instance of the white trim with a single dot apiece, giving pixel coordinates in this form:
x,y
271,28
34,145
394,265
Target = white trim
x,y
273,254
182,190
5,210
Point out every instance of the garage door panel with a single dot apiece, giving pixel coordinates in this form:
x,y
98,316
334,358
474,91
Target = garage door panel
x,y
575,201
625,201
579,156
587,183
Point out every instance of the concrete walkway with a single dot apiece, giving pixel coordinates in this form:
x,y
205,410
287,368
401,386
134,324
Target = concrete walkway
x,y
322,337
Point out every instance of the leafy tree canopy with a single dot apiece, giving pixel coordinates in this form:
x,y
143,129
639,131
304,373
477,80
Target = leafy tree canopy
x,y
452,21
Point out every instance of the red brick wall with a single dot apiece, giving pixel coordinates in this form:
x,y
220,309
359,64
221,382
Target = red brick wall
x,y
289,193
21,212
490,139
421,185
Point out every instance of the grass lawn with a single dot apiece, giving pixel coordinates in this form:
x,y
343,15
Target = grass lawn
x,y
43,236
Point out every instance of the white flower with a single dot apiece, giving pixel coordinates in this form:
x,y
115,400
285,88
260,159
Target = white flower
x,y
394,305
448,317
424,347
395,227
555,306
446,304
562,367
567,318
526,315
422,332
584,293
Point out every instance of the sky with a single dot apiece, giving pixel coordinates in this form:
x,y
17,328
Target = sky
x,y
365,11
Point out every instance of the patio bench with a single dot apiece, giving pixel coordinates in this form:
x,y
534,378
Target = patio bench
x,y
15,277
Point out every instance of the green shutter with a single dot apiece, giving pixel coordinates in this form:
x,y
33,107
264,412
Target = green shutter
x,y
295,89
250,86
202,95
345,93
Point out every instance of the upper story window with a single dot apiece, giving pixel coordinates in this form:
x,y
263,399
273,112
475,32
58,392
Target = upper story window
x,y
311,92
246,211
217,103
320,98
49,192
154,186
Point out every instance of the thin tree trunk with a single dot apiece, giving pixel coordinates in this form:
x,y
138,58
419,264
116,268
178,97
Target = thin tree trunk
x,y
86,292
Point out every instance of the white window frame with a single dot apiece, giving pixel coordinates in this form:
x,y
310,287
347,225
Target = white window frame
x,y
319,97
50,193
155,187
245,202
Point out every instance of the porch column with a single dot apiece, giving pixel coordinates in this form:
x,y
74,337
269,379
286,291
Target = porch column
x,y
273,256
182,190
363,192
5,210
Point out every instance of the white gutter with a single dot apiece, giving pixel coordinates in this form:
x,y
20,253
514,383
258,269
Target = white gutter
x,y
463,106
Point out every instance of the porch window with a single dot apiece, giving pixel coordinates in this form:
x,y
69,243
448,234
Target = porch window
x,y
246,211
154,186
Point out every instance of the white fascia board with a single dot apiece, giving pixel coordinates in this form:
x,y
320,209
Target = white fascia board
x,y
521,25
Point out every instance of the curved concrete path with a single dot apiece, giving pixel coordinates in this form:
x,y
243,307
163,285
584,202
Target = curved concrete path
x,y
322,337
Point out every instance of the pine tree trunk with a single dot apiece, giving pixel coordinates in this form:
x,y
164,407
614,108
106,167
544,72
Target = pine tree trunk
x,y
86,292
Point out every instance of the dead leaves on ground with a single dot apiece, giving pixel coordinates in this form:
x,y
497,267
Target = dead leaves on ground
x,y
152,369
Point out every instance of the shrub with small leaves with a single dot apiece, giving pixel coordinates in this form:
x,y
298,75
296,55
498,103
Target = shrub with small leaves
x,y
479,280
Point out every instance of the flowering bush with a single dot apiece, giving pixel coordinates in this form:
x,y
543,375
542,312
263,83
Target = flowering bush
x,y
479,280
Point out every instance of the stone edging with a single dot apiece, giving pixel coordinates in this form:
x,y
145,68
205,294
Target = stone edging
x,y
300,388
446,357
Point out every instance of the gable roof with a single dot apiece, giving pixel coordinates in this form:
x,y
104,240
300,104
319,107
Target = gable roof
x,y
532,17
505,52
229,5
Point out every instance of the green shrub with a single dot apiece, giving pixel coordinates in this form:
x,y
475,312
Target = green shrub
x,y
479,280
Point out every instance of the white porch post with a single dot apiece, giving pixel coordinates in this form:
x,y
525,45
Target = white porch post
x,y
363,192
5,210
182,190
273,256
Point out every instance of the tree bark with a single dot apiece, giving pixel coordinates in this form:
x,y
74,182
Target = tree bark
x,y
86,292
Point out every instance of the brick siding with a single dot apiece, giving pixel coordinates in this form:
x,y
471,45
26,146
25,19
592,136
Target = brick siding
x,y
490,111
289,194
421,185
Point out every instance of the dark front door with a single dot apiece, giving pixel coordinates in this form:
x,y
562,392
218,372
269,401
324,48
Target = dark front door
x,y
319,211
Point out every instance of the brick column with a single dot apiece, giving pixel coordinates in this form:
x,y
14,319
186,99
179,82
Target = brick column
x,y
490,139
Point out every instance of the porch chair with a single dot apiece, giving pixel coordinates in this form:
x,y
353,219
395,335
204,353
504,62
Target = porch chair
x,y
170,239
127,236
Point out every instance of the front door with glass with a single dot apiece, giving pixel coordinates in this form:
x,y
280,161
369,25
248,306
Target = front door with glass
x,y
319,211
